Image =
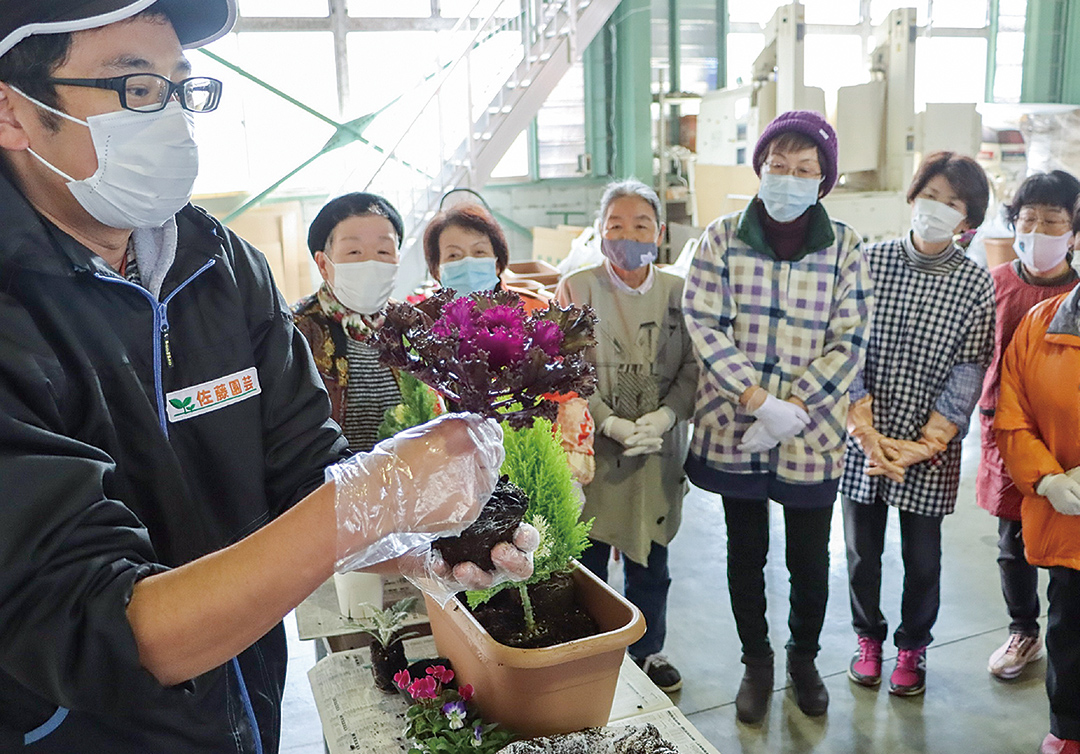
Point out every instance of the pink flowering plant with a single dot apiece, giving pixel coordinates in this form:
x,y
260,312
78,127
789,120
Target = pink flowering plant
x,y
484,353
441,720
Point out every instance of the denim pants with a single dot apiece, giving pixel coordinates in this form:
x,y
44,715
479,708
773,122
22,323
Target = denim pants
x,y
1019,579
646,587
806,535
920,549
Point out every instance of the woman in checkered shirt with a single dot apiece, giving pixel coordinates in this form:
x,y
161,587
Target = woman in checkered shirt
x,y
777,305
931,342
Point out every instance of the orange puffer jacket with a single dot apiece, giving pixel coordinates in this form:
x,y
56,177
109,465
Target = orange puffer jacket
x,y
1038,422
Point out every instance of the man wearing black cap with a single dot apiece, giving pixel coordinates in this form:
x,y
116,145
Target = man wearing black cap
x,y
163,435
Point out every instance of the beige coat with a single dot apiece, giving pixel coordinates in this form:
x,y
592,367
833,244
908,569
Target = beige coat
x,y
643,360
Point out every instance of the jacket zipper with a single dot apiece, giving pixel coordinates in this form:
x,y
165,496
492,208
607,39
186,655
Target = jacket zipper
x,y
161,332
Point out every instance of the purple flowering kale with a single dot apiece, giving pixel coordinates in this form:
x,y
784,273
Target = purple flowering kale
x,y
486,355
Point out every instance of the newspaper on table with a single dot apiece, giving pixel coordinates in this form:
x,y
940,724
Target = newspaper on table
x,y
636,694
674,728
356,716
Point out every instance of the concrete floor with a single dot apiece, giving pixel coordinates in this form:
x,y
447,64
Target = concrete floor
x,y
964,708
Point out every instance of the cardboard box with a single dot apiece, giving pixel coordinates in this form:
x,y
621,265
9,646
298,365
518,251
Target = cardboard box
x,y
552,245
536,273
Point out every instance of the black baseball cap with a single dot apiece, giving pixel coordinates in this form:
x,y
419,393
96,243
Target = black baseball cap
x,y
197,22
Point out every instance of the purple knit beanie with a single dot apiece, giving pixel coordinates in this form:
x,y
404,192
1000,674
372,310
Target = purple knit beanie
x,y
810,124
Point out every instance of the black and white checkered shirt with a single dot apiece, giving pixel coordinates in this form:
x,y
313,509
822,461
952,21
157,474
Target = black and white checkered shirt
x,y
926,323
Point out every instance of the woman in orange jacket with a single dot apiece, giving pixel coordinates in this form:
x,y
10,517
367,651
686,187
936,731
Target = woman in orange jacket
x,y
1038,433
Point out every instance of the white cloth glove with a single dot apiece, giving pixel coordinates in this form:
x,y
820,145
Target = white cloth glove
x,y
1062,491
640,444
782,419
424,483
757,439
1074,474
656,423
618,429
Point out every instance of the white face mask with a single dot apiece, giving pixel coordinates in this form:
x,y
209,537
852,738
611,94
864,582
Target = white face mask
x,y
934,221
147,165
363,287
1041,252
786,197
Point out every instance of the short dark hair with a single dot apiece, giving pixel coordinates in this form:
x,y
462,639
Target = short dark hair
x,y
793,141
357,204
470,217
966,177
29,63
1054,189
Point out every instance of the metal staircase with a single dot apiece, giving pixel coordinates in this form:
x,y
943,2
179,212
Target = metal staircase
x,y
517,51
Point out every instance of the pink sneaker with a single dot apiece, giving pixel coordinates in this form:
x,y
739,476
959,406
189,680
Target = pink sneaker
x,y
865,667
1054,745
909,678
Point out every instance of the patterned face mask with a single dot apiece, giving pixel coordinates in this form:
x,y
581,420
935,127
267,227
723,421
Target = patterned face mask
x,y
627,254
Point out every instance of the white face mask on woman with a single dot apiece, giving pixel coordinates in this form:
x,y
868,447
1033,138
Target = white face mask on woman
x,y
363,287
934,221
1041,252
786,197
147,165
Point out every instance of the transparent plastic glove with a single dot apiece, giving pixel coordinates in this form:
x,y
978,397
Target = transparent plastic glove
x,y
640,445
757,439
1062,491
424,483
425,567
618,429
656,423
782,419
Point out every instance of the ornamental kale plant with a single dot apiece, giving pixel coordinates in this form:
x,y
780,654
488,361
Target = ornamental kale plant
x,y
441,721
487,356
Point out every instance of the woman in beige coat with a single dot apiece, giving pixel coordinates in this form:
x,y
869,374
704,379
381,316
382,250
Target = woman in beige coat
x,y
647,378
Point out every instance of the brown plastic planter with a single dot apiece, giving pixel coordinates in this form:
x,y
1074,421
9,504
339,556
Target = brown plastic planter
x,y
541,692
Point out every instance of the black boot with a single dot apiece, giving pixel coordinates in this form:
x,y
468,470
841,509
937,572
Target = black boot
x,y
752,701
810,692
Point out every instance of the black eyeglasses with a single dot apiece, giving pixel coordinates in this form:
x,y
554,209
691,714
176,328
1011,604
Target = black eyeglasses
x,y
149,93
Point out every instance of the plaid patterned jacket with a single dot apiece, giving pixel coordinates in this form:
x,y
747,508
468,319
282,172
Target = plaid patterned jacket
x,y
797,328
925,325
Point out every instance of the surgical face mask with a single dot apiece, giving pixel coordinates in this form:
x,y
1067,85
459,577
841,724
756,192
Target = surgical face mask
x,y
469,275
147,165
1041,252
786,197
364,287
628,255
933,221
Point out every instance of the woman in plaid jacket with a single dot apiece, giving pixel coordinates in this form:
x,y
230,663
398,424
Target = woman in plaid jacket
x,y
777,305
930,345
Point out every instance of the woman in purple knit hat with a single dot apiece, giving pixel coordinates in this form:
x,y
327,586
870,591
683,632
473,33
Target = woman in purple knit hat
x,y
777,304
